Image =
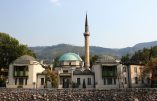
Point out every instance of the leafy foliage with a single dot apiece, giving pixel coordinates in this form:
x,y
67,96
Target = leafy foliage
x,y
56,62
141,56
53,78
125,58
93,59
10,49
150,66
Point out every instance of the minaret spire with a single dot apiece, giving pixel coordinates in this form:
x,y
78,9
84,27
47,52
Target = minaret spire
x,y
87,51
86,25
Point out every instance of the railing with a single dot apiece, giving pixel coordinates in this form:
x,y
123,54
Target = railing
x,y
20,73
108,73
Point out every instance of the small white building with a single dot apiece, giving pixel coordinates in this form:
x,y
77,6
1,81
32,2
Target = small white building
x,y
83,77
23,73
134,77
108,73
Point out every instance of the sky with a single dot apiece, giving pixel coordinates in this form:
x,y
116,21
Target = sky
x,y
112,23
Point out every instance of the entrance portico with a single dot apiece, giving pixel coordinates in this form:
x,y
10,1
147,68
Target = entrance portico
x,y
65,80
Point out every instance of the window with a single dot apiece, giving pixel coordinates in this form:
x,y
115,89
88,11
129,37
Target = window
x,y
69,63
135,69
26,81
155,72
136,80
125,80
114,80
109,81
78,81
15,81
124,69
20,71
42,81
89,81
20,81
109,71
104,81
65,71
142,81
148,80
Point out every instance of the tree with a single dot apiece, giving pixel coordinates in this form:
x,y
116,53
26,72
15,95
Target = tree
x,y
11,49
53,78
140,56
150,69
56,62
150,66
93,59
125,58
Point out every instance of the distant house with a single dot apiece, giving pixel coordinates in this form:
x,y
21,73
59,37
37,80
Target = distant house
x,y
24,73
133,75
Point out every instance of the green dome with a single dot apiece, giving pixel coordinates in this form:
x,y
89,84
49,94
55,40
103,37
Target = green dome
x,y
70,57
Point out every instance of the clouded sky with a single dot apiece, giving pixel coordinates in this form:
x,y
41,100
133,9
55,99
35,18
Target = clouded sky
x,y
112,23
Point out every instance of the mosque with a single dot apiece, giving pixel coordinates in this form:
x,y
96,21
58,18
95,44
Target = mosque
x,y
106,73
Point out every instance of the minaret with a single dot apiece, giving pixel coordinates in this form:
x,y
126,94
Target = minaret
x,y
86,35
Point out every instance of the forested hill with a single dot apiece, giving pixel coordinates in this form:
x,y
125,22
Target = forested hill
x,y
50,52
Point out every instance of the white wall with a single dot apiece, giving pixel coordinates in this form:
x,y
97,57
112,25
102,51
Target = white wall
x,y
100,81
33,69
136,74
82,77
39,81
73,63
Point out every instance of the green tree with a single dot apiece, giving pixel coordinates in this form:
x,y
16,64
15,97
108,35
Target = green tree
x,y
125,58
56,62
140,56
11,49
93,59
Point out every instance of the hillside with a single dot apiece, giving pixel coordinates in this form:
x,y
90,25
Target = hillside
x,y
50,52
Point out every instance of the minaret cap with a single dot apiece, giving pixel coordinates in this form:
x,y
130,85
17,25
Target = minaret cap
x,y
86,22
86,26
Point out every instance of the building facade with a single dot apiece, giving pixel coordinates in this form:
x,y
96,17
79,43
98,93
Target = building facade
x,y
23,73
107,73
134,76
84,79
71,72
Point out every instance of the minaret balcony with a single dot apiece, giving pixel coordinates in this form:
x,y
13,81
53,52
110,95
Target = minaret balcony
x,y
86,34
